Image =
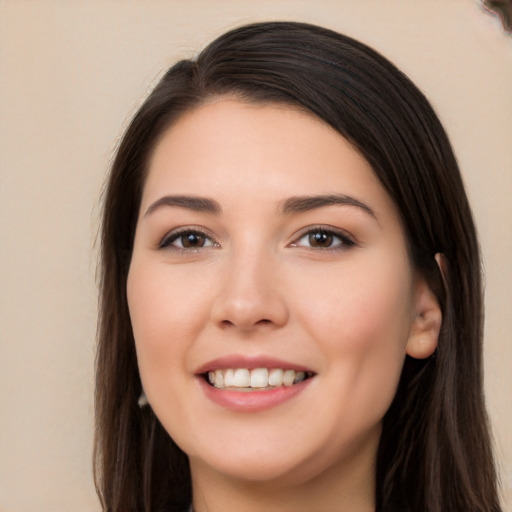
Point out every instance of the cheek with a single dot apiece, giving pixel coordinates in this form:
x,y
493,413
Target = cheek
x,y
366,305
363,328
160,311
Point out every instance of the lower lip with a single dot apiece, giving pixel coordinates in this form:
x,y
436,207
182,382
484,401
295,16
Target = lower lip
x,y
252,401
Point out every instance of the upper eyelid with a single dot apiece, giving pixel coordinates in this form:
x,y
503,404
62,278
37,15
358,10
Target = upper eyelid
x,y
342,233
176,232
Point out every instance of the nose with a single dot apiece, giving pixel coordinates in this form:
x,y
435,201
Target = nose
x,y
251,295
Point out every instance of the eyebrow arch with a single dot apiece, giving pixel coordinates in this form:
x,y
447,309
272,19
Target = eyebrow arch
x,y
305,203
199,204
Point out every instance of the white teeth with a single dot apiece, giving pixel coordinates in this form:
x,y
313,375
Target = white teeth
x,y
242,378
288,377
229,378
275,377
257,378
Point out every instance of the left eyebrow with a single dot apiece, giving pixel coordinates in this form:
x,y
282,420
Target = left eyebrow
x,y
305,203
199,204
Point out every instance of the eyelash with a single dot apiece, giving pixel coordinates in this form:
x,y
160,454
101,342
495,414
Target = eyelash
x,y
173,236
344,241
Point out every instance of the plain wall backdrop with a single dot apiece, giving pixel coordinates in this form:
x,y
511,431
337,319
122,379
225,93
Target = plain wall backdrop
x,y
72,72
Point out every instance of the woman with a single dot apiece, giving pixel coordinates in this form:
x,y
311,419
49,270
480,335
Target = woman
x,y
290,273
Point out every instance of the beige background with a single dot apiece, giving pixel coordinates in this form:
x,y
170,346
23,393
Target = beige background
x,y
72,72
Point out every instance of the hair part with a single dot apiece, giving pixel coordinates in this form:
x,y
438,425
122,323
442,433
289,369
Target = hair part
x,y
435,450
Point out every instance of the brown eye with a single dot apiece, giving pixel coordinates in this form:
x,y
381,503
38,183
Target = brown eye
x,y
192,240
187,239
320,239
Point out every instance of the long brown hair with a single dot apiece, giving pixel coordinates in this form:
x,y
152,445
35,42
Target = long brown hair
x,y
435,450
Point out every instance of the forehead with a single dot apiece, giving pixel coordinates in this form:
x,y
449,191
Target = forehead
x,y
236,150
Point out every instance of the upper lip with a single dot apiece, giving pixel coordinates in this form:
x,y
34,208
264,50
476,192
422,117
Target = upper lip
x,y
249,362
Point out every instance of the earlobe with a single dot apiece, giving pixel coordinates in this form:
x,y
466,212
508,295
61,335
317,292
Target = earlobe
x,y
426,325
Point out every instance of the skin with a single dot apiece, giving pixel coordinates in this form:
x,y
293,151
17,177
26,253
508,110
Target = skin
x,y
257,287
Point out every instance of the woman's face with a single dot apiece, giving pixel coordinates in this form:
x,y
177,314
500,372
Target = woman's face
x,y
266,249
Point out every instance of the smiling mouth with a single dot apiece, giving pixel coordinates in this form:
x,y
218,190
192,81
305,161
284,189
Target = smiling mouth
x,y
261,379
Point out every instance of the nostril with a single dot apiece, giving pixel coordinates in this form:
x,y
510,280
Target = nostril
x,y
229,323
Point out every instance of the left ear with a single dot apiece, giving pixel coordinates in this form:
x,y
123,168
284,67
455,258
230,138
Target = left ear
x,y
426,325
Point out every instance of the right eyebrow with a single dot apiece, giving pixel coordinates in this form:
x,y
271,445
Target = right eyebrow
x,y
305,203
199,204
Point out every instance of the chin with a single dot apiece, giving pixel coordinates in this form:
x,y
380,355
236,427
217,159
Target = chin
x,y
254,470
278,464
